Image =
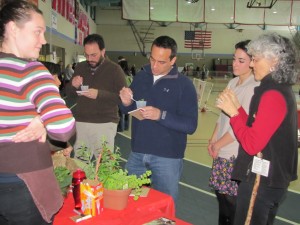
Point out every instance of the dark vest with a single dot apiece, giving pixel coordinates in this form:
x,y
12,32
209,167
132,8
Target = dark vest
x,y
281,150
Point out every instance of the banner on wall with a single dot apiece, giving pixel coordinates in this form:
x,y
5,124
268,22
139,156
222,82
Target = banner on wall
x,y
70,10
54,4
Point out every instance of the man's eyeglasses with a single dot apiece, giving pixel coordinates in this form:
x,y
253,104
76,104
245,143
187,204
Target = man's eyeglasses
x,y
90,55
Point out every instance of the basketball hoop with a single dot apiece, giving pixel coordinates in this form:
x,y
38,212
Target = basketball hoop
x,y
197,56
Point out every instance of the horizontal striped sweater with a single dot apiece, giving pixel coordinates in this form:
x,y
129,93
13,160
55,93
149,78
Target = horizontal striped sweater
x,y
27,89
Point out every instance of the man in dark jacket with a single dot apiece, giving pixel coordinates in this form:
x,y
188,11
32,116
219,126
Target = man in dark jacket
x,y
159,139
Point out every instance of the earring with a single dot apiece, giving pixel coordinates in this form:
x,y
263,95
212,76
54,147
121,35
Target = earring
x,y
272,69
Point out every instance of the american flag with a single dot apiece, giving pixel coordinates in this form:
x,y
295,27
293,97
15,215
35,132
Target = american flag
x,y
197,39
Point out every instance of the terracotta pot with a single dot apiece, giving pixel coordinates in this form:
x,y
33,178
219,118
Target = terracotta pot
x,y
116,199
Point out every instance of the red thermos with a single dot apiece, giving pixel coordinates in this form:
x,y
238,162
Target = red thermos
x,y
78,177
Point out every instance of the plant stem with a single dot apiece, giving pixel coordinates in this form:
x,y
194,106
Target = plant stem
x,y
97,166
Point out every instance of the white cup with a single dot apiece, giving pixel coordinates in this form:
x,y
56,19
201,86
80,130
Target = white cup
x,y
84,87
140,104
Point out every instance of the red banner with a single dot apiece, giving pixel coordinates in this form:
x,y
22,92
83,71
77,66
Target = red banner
x,y
71,11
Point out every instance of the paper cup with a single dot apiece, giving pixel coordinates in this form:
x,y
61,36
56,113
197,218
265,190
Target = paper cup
x,y
140,104
84,87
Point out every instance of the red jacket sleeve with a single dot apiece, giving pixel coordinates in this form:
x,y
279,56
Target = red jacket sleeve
x,y
270,114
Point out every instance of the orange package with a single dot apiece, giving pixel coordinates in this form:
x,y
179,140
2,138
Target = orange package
x,y
91,195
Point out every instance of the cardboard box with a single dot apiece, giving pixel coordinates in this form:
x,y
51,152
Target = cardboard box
x,y
91,196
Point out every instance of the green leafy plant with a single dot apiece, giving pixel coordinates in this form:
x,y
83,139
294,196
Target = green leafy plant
x,y
64,178
120,180
109,162
109,171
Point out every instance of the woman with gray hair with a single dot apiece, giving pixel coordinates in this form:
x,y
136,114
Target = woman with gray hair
x,y
268,155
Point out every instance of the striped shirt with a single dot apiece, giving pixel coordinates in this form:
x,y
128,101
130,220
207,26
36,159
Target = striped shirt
x,y
27,89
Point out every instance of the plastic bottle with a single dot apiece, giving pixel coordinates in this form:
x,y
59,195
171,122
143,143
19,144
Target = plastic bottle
x,y
78,177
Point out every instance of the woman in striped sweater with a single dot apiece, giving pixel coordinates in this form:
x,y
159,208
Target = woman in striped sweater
x,y
29,193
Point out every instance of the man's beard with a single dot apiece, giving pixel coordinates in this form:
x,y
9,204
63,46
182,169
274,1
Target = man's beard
x,y
97,63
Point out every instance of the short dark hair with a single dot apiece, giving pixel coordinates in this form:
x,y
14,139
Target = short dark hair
x,y
166,42
124,66
242,45
18,11
94,38
53,68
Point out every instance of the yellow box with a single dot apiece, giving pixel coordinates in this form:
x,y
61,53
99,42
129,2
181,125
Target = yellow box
x,y
91,196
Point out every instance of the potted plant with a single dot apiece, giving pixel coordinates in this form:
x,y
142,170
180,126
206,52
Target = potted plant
x,y
107,169
63,169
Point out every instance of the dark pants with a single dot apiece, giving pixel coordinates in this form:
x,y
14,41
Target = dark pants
x,y
227,206
265,207
17,206
124,121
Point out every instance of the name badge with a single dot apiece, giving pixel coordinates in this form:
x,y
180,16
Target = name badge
x,y
260,166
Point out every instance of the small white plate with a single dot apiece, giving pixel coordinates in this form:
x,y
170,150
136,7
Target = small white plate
x,y
80,92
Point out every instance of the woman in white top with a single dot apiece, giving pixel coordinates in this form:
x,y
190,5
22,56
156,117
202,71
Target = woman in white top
x,y
223,146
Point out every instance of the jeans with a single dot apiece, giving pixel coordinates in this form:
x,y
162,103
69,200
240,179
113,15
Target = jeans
x,y
166,172
265,206
17,206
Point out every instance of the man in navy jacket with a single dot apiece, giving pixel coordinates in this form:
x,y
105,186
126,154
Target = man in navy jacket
x,y
159,139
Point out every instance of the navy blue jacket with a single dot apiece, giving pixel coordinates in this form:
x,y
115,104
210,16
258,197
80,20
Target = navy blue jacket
x,y
174,94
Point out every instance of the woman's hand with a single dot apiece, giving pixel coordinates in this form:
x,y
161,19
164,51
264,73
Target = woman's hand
x,y
34,131
212,150
228,102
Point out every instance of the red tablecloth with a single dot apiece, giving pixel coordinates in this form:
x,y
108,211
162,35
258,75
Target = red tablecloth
x,y
155,205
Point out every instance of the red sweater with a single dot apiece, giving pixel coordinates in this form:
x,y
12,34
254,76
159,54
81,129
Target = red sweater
x,y
272,110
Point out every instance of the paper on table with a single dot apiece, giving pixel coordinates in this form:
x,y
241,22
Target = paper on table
x,y
137,114
144,193
79,218
161,220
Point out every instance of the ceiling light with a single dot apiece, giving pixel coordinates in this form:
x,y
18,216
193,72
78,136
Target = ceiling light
x,y
192,1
